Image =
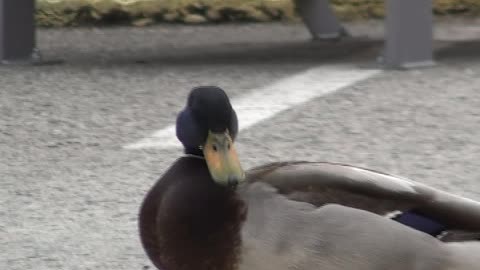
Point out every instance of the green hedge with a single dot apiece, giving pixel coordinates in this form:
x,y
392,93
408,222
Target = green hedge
x,y
145,12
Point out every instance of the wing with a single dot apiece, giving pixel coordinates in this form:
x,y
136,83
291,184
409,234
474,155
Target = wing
x,y
321,183
284,234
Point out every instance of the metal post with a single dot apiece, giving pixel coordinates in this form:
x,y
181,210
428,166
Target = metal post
x,y
320,19
17,30
409,34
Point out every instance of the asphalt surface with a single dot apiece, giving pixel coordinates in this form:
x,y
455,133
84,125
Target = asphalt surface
x,y
70,192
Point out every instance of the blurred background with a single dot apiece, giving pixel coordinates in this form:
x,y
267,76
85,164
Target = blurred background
x,y
84,134
147,12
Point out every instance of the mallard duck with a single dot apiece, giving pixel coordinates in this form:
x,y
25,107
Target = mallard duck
x,y
207,213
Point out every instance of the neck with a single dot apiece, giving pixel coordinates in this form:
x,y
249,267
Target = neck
x,y
194,156
193,151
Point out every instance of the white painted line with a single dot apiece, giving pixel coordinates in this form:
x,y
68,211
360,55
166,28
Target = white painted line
x,y
263,103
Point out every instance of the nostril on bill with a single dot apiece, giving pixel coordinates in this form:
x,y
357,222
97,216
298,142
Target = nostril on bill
x,y
232,182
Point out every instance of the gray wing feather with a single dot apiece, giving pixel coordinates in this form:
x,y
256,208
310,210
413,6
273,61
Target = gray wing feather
x,y
321,183
283,234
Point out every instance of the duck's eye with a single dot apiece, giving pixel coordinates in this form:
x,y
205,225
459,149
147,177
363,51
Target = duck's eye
x,y
214,147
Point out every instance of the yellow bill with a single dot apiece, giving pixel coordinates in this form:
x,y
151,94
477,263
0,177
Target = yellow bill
x,y
222,159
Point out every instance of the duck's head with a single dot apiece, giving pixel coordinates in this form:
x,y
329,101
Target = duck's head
x,y
207,127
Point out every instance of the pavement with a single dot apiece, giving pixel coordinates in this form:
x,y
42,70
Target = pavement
x,y
70,190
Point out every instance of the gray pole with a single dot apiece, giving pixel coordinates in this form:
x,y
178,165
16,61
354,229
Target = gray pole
x,y
320,19
409,34
17,30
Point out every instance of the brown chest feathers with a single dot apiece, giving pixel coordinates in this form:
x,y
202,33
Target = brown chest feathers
x,y
190,222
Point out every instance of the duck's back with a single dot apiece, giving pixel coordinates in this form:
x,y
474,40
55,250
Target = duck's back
x,y
281,234
438,213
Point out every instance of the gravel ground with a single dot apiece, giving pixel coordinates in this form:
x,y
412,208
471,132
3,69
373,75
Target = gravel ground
x,y
69,192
